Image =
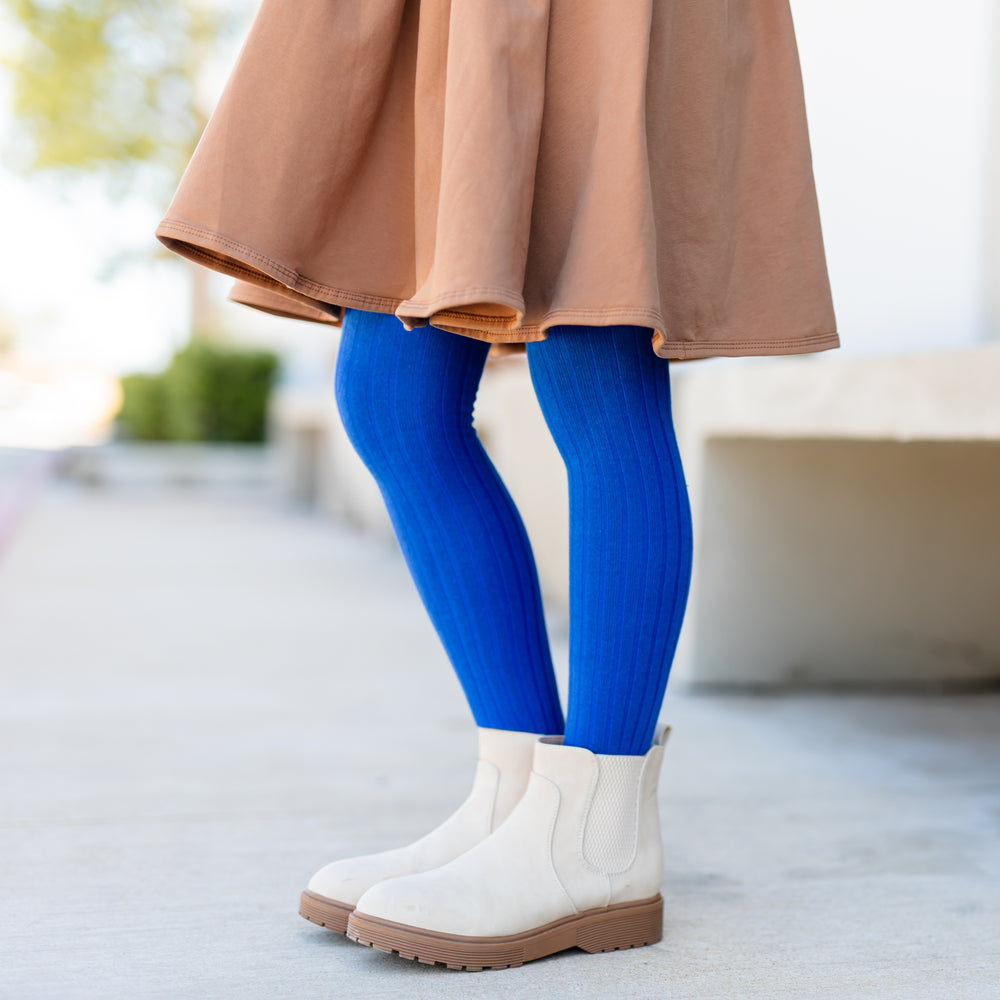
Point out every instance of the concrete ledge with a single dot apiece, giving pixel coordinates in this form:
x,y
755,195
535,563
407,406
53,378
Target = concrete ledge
x,y
174,463
844,518
939,396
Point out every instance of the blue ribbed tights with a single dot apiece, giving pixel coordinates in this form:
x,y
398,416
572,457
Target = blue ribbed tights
x,y
406,400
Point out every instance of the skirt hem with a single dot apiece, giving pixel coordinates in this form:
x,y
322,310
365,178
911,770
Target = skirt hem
x,y
247,264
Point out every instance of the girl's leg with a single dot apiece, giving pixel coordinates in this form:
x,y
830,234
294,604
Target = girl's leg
x,y
406,401
579,860
606,399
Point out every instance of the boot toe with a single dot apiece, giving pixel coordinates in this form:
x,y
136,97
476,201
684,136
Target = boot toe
x,y
344,881
417,901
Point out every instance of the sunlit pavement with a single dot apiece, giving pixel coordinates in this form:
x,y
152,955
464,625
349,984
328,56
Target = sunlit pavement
x,y
207,695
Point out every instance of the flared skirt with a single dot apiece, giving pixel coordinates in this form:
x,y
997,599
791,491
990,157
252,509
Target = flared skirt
x,y
500,167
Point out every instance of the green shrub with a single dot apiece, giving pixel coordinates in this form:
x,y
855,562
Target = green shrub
x,y
143,410
207,393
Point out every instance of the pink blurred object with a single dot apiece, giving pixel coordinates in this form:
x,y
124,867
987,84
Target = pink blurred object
x,y
23,474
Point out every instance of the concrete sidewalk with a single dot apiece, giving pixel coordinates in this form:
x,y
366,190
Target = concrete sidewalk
x,y
205,696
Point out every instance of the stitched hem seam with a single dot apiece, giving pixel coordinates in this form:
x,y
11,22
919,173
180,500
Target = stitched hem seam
x,y
271,273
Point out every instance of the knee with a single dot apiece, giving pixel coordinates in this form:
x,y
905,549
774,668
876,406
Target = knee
x,y
366,382
410,405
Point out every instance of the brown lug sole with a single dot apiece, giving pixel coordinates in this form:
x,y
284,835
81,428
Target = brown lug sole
x,y
326,912
606,928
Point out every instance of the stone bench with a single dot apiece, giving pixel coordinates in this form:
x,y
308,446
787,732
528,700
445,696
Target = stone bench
x,y
846,519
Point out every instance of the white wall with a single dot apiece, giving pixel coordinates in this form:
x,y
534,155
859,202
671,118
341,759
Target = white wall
x,y
901,98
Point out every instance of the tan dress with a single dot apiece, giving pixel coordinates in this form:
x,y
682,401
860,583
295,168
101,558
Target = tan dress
x,y
499,167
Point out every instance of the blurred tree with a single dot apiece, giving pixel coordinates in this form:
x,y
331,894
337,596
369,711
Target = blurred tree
x,y
114,89
112,86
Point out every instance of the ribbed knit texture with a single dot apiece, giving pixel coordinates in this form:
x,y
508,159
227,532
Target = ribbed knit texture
x,y
606,399
406,401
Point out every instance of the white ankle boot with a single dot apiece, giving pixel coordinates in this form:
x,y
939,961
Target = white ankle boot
x,y
502,773
578,863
